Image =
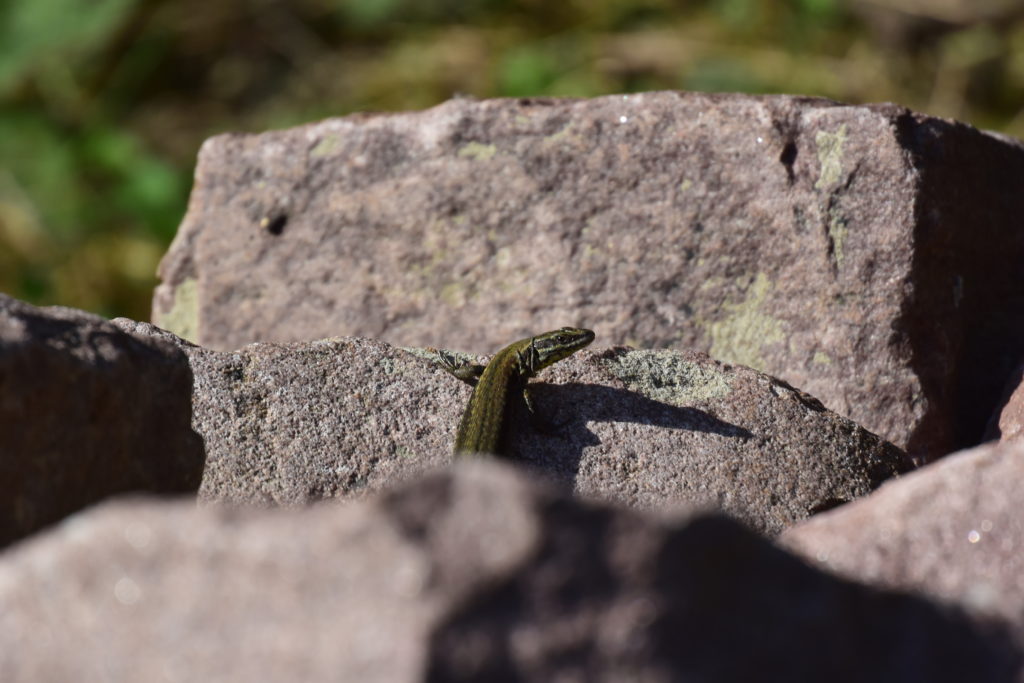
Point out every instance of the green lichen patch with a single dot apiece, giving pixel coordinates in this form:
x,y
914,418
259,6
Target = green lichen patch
x,y
837,232
327,146
183,317
478,151
830,156
419,352
566,133
668,377
741,334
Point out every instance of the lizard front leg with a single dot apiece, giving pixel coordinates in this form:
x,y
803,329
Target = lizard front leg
x,y
540,422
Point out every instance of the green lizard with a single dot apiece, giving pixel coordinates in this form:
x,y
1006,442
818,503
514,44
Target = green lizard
x,y
508,373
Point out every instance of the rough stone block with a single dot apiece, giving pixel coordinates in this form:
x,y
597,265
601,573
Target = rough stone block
x,y
953,531
867,254
290,424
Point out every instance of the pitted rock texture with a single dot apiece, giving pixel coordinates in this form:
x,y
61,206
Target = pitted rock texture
x,y
952,531
288,424
471,574
87,411
866,254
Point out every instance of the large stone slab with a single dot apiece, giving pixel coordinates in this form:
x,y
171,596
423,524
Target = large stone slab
x,y
867,254
470,574
953,531
87,411
289,424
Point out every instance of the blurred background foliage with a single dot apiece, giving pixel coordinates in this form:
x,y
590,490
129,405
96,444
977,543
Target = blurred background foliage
x,y
104,103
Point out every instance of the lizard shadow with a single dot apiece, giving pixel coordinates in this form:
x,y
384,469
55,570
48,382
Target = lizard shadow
x,y
557,452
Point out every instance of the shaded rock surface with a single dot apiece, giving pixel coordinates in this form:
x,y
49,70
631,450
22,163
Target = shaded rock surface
x,y
87,411
471,574
953,531
653,429
867,254
1007,423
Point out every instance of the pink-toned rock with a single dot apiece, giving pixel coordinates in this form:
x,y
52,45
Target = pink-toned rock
x,y
1007,423
87,411
290,424
866,254
953,531
470,574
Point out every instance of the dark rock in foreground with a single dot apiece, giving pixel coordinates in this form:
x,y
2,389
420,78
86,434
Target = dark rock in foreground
x,y
87,411
471,574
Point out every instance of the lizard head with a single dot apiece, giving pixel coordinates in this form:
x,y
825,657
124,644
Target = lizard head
x,y
553,346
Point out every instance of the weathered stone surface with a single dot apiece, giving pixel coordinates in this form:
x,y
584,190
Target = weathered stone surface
x,y
952,531
867,254
1007,423
87,411
470,574
341,417
666,426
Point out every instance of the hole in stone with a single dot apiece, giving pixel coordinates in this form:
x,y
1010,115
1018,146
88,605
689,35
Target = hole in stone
x,y
788,155
787,158
275,225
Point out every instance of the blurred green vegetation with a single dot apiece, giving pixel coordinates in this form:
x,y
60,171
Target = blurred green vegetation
x,y
103,105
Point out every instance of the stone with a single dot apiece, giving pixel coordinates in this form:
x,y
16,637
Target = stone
x,y
867,254
952,531
87,411
1007,423
475,573
288,424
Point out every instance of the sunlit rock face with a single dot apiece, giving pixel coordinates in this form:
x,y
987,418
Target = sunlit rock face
x,y
866,254
952,530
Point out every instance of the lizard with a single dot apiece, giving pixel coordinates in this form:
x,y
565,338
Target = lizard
x,y
507,373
